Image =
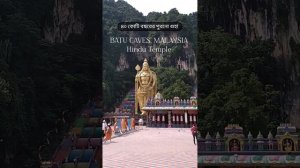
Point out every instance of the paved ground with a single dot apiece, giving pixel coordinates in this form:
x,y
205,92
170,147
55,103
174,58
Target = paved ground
x,y
152,148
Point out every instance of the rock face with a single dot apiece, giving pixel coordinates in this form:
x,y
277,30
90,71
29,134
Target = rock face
x,y
254,19
65,20
123,63
276,20
188,62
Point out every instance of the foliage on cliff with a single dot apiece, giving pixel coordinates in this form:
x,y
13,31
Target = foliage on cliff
x,y
172,82
238,83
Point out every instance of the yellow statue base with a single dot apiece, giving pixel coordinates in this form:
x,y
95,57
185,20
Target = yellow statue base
x,y
144,113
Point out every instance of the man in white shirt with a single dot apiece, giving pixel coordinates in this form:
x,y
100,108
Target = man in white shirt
x,y
104,126
141,123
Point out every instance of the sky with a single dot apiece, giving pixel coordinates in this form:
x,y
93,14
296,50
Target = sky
x,y
146,6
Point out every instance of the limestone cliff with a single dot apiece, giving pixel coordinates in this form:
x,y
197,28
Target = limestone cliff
x,y
276,20
123,63
63,22
253,19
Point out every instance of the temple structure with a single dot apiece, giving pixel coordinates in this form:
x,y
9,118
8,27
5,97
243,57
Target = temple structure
x,y
174,112
237,149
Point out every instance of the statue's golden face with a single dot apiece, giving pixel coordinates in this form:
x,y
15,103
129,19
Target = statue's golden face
x,y
145,67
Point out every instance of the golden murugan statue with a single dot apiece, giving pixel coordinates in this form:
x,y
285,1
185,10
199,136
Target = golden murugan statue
x,y
145,86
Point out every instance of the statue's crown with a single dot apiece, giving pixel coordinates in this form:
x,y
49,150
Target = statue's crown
x,y
145,62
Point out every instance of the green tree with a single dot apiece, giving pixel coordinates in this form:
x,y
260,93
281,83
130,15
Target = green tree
x,y
172,82
237,84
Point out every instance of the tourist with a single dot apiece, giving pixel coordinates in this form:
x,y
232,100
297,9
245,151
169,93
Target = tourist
x,y
123,125
115,126
104,125
132,123
194,133
108,133
141,123
126,123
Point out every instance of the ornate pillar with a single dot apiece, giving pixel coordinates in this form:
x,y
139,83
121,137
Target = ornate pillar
x,y
174,120
191,120
153,120
163,120
149,119
195,119
177,120
181,120
158,120
185,119
169,119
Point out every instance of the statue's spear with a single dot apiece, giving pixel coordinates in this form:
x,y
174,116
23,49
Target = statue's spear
x,y
137,68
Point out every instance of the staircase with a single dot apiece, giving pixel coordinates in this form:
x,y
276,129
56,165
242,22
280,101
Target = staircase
x,y
128,103
82,148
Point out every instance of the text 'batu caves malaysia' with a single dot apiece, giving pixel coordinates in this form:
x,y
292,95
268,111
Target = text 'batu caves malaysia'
x,y
146,106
